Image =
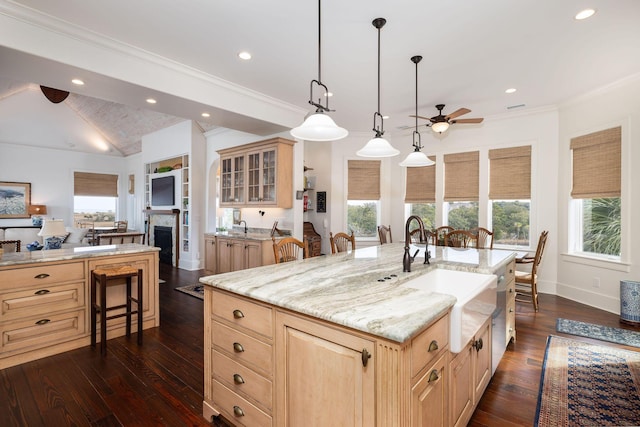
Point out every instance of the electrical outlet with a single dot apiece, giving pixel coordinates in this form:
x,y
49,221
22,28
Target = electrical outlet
x,y
596,282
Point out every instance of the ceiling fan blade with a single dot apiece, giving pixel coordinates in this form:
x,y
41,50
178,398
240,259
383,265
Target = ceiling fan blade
x,y
54,95
458,112
421,117
478,120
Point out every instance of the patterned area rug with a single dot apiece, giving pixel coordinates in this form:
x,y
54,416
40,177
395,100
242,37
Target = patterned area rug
x,y
193,290
599,332
588,385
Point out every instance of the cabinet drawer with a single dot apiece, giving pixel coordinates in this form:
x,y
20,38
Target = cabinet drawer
x,y
426,346
42,300
38,332
243,348
237,409
511,321
41,275
243,313
242,380
510,271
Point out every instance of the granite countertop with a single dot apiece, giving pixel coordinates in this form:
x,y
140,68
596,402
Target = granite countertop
x,y
360,290
241,235
29,257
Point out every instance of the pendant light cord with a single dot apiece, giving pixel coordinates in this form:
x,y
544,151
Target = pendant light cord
x,y
319,41
379,69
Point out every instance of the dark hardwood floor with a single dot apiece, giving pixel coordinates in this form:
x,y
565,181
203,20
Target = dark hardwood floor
x,y
161,383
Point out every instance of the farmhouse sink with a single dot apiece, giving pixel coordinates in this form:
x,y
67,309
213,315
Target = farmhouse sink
x,y
476,295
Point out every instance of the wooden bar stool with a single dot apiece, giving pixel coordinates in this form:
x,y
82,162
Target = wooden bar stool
x,y
102,276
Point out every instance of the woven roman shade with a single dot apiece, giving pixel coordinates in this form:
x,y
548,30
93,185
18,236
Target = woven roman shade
x,y
597,164
421,184
461,176
364,180
510,173
95,184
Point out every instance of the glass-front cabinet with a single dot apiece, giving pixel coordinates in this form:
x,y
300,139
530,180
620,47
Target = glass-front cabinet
x,y
267,179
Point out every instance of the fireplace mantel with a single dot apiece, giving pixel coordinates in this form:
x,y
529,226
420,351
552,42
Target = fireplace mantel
x,y
176,214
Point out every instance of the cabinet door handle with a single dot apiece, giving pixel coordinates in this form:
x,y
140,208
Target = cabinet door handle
x,y
478,344
41,276
43,322
237,347
237,411
238,379
365,357
511,310
238,314
433,376
41,292
433,346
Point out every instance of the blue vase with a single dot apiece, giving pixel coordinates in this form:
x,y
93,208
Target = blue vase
x,y
53,243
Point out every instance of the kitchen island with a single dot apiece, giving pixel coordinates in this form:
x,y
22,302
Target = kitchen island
x,y
44,297
340,340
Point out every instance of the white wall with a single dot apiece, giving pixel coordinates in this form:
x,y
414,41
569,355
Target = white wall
x,y
617,105
50,173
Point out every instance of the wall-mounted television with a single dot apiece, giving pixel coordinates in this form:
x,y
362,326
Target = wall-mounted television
x,y
163,191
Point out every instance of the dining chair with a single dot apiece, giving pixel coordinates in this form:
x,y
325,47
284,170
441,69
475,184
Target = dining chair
x,y
484,237
14,245
341,242
288,249
90,237
527,281
384,233
439,234
121,226
459,239
416,238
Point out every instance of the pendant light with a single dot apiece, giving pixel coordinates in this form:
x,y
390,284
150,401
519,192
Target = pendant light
x,y
319,126
417,158
378,146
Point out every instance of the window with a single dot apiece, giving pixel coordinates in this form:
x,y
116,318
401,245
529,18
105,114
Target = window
x,y
363,197
461,178
420,194
596,213
95,198
510,195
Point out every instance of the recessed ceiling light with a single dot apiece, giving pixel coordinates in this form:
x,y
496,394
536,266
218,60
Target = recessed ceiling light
x,y
151,101
77,82
244,55
510,90
584,14
206,115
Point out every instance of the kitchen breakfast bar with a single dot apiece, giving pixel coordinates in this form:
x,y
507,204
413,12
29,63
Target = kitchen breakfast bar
x,y
353,339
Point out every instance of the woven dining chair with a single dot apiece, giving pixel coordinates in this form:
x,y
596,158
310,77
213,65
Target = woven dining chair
x,y
484,237
342,242
288,249
384,234
459,239
439,234
527,281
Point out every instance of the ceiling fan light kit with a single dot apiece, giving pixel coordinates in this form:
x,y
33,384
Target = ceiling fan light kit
x,y
417,158
378,146
319,126
440,127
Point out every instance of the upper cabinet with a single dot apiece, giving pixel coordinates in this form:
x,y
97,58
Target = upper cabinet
x,y
257,174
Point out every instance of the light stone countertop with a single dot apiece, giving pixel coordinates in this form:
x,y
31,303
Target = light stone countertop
x,y
345,288
81,252
241,235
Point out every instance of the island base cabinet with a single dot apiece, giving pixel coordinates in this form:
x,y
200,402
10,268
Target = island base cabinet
x,y
322,377
429,397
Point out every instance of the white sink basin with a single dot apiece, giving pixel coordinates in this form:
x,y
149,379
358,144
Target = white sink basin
x,y
476,295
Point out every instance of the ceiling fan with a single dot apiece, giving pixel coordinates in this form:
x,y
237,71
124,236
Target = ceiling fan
x,y
440,123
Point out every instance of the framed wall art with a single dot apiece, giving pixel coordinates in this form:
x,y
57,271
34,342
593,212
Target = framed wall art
x,y
15,198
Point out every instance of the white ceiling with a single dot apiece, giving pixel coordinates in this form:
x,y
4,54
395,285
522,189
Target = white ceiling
x,y
473,51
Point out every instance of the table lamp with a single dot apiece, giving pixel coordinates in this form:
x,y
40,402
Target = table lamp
x,y
53,232
36,212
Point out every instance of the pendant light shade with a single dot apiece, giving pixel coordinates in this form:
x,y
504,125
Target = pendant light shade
x,y
378,146
417,158
319,126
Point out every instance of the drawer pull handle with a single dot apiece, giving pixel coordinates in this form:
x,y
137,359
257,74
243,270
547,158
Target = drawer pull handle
x,y
478,344
41,276
510,290
43,322
237,347
433,376
511,310
238,379
365,357
238,314
238,412
42,292
433,346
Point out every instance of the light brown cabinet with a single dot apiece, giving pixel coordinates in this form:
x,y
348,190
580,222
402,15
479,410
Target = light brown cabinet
x,y
510,278
470,372
45,307
224,254
257,174
265,365
210,254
